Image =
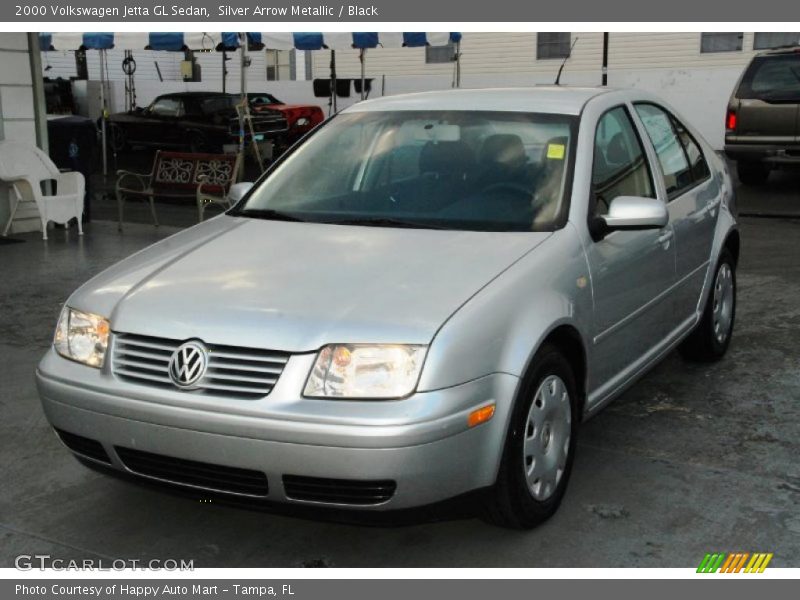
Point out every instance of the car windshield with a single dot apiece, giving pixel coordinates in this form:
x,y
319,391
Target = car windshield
x,y
264,99
469,170
772,78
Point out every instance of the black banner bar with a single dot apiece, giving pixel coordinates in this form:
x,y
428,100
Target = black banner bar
x,y
252,12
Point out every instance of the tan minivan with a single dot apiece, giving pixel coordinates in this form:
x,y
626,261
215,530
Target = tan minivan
x,y
762,125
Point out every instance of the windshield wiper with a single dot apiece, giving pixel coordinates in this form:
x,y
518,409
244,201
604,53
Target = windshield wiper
x,y
386,222
267,213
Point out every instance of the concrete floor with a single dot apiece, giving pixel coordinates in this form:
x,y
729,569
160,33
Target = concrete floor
x,y
694,458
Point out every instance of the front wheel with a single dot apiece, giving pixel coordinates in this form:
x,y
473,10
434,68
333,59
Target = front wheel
x,y
540,445
710,339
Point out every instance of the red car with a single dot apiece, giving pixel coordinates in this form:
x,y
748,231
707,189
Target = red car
x,y
300,117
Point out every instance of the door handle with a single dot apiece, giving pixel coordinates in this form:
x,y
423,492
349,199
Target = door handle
x,y
665,237
712,206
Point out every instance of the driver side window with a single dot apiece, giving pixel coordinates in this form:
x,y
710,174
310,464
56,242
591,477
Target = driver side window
x,y
620,167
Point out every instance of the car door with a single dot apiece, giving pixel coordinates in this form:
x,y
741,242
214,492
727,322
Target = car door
x,y
162,124
693,199
631,271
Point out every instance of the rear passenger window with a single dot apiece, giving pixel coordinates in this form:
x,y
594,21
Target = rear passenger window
x,y
682,162
620,167
694,155
772,79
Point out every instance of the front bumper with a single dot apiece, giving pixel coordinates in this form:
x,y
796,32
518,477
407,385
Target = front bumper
x,y
421,443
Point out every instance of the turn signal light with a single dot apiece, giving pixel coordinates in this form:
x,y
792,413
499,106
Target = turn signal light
x,y
481,415
730,121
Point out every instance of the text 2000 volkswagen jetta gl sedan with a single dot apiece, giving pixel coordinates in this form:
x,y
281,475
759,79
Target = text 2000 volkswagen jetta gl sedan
x,y
423,298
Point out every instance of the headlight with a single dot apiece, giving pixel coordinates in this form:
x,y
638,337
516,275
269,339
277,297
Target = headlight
x,y
361,371
82,337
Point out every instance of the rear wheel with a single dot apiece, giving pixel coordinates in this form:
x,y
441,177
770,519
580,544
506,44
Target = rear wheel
x,y
752,173
710,339
540,445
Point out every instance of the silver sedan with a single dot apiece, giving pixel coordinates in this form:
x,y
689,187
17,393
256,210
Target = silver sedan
x,y
422,299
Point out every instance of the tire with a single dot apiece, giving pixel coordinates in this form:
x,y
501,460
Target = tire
x,y
516,501
710,339
117,138
752,173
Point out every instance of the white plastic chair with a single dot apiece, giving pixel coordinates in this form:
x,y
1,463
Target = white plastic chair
x,y
25,167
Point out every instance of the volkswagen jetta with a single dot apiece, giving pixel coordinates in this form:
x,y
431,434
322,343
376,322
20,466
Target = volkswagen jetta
x,y
422,299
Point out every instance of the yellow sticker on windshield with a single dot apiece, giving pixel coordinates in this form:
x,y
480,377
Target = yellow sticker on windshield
x,y
556,151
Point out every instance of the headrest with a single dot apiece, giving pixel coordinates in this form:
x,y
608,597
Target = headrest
x,y
503,149
453,158
616,152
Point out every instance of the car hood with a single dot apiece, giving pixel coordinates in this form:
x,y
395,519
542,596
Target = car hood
x,y
297,286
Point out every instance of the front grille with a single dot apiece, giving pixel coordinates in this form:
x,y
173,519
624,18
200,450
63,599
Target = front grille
x,y
84,446
232,371
208,476
338,491
263,122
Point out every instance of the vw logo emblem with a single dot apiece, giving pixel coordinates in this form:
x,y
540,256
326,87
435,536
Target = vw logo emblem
x,y
188,364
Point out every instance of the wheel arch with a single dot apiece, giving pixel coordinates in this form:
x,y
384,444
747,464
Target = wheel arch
x,y
732,243
566,338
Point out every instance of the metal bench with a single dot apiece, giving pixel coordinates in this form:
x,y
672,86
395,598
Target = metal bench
x,y
206,178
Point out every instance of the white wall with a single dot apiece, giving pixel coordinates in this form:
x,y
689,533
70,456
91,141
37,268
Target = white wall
x,y
17,117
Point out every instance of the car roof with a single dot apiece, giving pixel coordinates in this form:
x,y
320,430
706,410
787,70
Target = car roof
x,y
195,95
794,49
553,99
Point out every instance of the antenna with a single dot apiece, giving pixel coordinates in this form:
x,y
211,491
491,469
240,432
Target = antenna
x,y
564,62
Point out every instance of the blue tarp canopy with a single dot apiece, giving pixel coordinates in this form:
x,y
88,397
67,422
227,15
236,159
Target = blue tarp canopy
x,y
196,40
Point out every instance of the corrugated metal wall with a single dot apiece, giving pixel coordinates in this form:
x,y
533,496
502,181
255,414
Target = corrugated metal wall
x,y
515,53
481,53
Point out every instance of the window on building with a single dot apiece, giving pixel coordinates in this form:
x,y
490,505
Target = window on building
x,y
279,65
720,42
772,39
553,45
440,54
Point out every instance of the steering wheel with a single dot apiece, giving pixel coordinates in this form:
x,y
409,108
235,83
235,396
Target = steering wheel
x,y
517,188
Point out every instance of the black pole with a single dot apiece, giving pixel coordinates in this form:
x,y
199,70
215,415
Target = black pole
x,y
605,58
333,81
224,69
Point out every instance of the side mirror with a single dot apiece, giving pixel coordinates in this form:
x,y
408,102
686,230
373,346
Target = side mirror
x,y
238,191
634,212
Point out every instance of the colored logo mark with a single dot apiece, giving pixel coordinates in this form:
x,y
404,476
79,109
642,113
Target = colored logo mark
x,y
736,562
